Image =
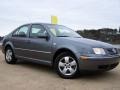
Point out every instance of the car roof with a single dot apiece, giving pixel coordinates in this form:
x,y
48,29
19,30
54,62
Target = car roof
x,y
40,23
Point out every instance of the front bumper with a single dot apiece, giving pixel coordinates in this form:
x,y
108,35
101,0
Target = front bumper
x,y
99,63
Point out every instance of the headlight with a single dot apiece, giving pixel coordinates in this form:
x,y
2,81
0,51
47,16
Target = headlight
x,y
99,51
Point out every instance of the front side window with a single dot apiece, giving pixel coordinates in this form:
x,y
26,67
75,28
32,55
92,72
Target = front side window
x,y
37,31
22,31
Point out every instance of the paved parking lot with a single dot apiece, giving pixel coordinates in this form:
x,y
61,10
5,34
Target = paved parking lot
x,y
30,76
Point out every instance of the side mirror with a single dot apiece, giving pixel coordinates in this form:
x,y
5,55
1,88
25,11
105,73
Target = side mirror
x,y
43,36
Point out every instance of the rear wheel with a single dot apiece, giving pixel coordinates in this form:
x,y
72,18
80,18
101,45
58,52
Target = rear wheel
x,y
66,65
9,56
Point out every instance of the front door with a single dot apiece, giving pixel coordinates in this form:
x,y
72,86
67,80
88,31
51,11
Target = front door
x,y
40,47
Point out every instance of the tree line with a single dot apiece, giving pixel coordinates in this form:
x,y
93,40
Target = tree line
x,y
105,34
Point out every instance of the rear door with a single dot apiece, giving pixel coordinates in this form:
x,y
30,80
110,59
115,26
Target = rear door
x,y
20,41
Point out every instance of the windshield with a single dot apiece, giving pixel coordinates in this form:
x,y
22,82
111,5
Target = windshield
x,y
62,31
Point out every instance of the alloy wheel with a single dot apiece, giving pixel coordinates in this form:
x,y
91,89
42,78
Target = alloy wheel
x,y
67,65
9,55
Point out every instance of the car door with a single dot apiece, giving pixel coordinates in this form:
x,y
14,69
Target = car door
x,y
40,45
20,41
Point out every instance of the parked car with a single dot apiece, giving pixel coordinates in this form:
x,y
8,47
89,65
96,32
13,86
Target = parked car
x,y
60,47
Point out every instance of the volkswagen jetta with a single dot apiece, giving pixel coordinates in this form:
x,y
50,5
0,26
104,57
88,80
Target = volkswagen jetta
x,y
60,47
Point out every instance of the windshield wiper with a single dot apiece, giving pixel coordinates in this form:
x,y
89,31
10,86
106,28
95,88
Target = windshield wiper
x,y
63,36
78,37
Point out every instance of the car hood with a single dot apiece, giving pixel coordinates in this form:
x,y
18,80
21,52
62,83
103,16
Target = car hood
x,y
89,42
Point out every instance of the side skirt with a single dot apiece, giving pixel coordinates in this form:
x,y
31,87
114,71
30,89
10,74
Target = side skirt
x,y
44,62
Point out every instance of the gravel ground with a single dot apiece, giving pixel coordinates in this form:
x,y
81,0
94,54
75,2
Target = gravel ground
x,y
31,76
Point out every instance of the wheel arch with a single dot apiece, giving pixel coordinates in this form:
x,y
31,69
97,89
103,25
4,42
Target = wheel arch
x,y
61,50
9,44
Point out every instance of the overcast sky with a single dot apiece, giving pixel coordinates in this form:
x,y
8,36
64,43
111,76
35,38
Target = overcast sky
x,y
76,14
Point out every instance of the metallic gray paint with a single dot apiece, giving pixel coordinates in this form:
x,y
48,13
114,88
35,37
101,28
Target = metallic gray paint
x,y
43,50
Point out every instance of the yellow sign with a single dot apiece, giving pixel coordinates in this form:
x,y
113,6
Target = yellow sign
x,y
54,19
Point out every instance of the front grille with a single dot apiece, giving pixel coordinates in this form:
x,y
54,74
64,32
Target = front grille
x,y
112,51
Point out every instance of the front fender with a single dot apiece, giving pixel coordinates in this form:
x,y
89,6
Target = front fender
x,y
70,48
8,44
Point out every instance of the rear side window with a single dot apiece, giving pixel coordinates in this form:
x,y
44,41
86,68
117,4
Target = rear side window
x,y
21,32
37,30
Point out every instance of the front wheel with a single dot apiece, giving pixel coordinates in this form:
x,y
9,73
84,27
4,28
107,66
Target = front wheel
x,y
9,56
66,65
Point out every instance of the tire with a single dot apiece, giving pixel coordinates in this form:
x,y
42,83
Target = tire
x,y
66,65
9,56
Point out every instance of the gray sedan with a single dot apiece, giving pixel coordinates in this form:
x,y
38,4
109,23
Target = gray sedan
x,y
59,47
